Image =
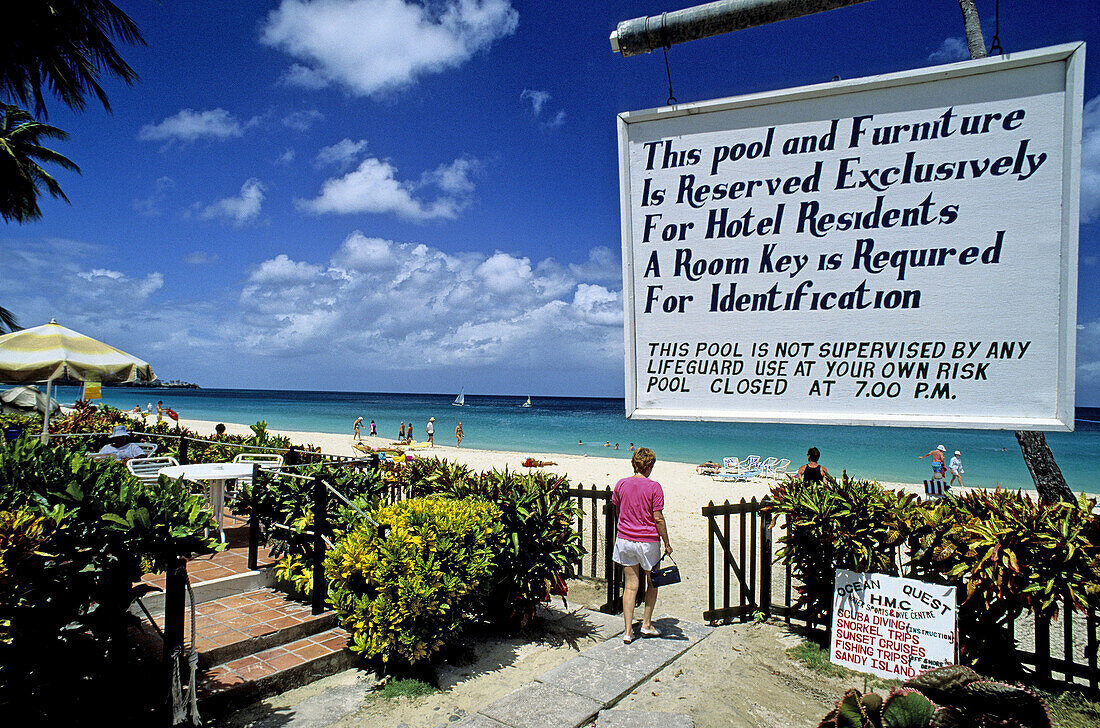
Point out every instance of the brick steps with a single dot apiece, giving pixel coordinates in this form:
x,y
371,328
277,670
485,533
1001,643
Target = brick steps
x,y
260,642
274,670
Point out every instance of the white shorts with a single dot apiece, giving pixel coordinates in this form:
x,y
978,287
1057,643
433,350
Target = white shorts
x,y
637,553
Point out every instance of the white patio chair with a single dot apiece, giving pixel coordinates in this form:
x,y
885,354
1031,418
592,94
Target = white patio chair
x,y
147,447
768,465
147,470
267,461
780,469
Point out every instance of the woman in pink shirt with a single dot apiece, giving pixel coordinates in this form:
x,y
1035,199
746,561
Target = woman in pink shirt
x,y
641,529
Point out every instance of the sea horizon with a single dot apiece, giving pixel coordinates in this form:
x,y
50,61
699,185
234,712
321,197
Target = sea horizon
x,y
593,426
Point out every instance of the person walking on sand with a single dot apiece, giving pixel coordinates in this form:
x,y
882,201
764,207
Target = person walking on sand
x,y
431,432
458,434
956,466
641,529
401,433
356,426
937,462
812,472
160,411
373,429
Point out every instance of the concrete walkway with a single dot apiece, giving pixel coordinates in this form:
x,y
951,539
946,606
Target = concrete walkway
x,y
575,692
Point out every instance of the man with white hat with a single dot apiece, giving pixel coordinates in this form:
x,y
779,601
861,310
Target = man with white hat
x,y
120,447
431,431
937,462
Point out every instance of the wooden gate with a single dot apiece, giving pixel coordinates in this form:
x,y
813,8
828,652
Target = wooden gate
x,y
746,576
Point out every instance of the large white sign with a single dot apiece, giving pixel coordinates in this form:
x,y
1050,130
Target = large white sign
x,y
897,250
891,626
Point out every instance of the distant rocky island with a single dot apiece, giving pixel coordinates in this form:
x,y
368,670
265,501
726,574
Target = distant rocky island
x,y
160,384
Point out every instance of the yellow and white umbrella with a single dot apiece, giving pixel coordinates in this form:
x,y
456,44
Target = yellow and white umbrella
x,y
51,352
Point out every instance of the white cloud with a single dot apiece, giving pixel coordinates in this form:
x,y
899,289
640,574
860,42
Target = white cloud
x,y
238,210
1090,161
152,205
189,125
950,51
370,46
343,153
373,187
415,306
537,99
302,120
371,311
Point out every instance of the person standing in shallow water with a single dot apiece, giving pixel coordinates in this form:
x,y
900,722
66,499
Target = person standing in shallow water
x,y
812,472
641,529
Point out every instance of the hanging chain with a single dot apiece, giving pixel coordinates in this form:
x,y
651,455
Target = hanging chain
x,y
667,45
671,98
995,47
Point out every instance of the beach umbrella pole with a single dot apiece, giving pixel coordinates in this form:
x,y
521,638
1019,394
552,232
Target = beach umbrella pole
x,y
46,414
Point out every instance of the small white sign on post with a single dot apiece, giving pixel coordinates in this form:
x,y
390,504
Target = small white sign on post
x,y
897,250
891,626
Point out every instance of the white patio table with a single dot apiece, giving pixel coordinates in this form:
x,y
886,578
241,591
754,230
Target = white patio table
x,y
215,474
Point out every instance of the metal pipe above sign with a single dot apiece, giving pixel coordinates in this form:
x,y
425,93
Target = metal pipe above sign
x,y
645,34
895,250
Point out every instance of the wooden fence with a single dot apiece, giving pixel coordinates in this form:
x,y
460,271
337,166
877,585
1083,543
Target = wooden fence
x,y
743,583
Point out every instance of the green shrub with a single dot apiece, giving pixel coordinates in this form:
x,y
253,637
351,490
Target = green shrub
x,y
541,545
832,525
1006,553
401,597
105,530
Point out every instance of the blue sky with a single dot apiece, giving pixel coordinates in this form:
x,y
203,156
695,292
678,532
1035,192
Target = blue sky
x,y
368,195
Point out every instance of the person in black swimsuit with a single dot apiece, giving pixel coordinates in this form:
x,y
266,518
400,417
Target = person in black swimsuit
x,y
812,472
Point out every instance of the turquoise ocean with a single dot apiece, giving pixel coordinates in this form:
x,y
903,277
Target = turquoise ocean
x,y
581,425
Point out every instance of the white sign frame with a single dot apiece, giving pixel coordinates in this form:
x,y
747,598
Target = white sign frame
x,y
1056,415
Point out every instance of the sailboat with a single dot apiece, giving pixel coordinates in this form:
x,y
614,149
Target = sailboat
x,y
460,400
527,403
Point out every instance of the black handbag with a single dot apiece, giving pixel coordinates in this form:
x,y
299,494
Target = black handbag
x,y
663,576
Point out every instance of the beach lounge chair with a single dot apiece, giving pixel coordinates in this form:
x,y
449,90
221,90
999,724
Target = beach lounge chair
x,y
147,447
767,466
780,469
935,488
147,470
733,470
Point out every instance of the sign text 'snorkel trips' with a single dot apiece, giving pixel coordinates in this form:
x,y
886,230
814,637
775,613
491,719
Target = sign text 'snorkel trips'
x,y
897,250
891,626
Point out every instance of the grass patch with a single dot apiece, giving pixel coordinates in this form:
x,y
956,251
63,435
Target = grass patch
x,y
406,688
816,658
1071,709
